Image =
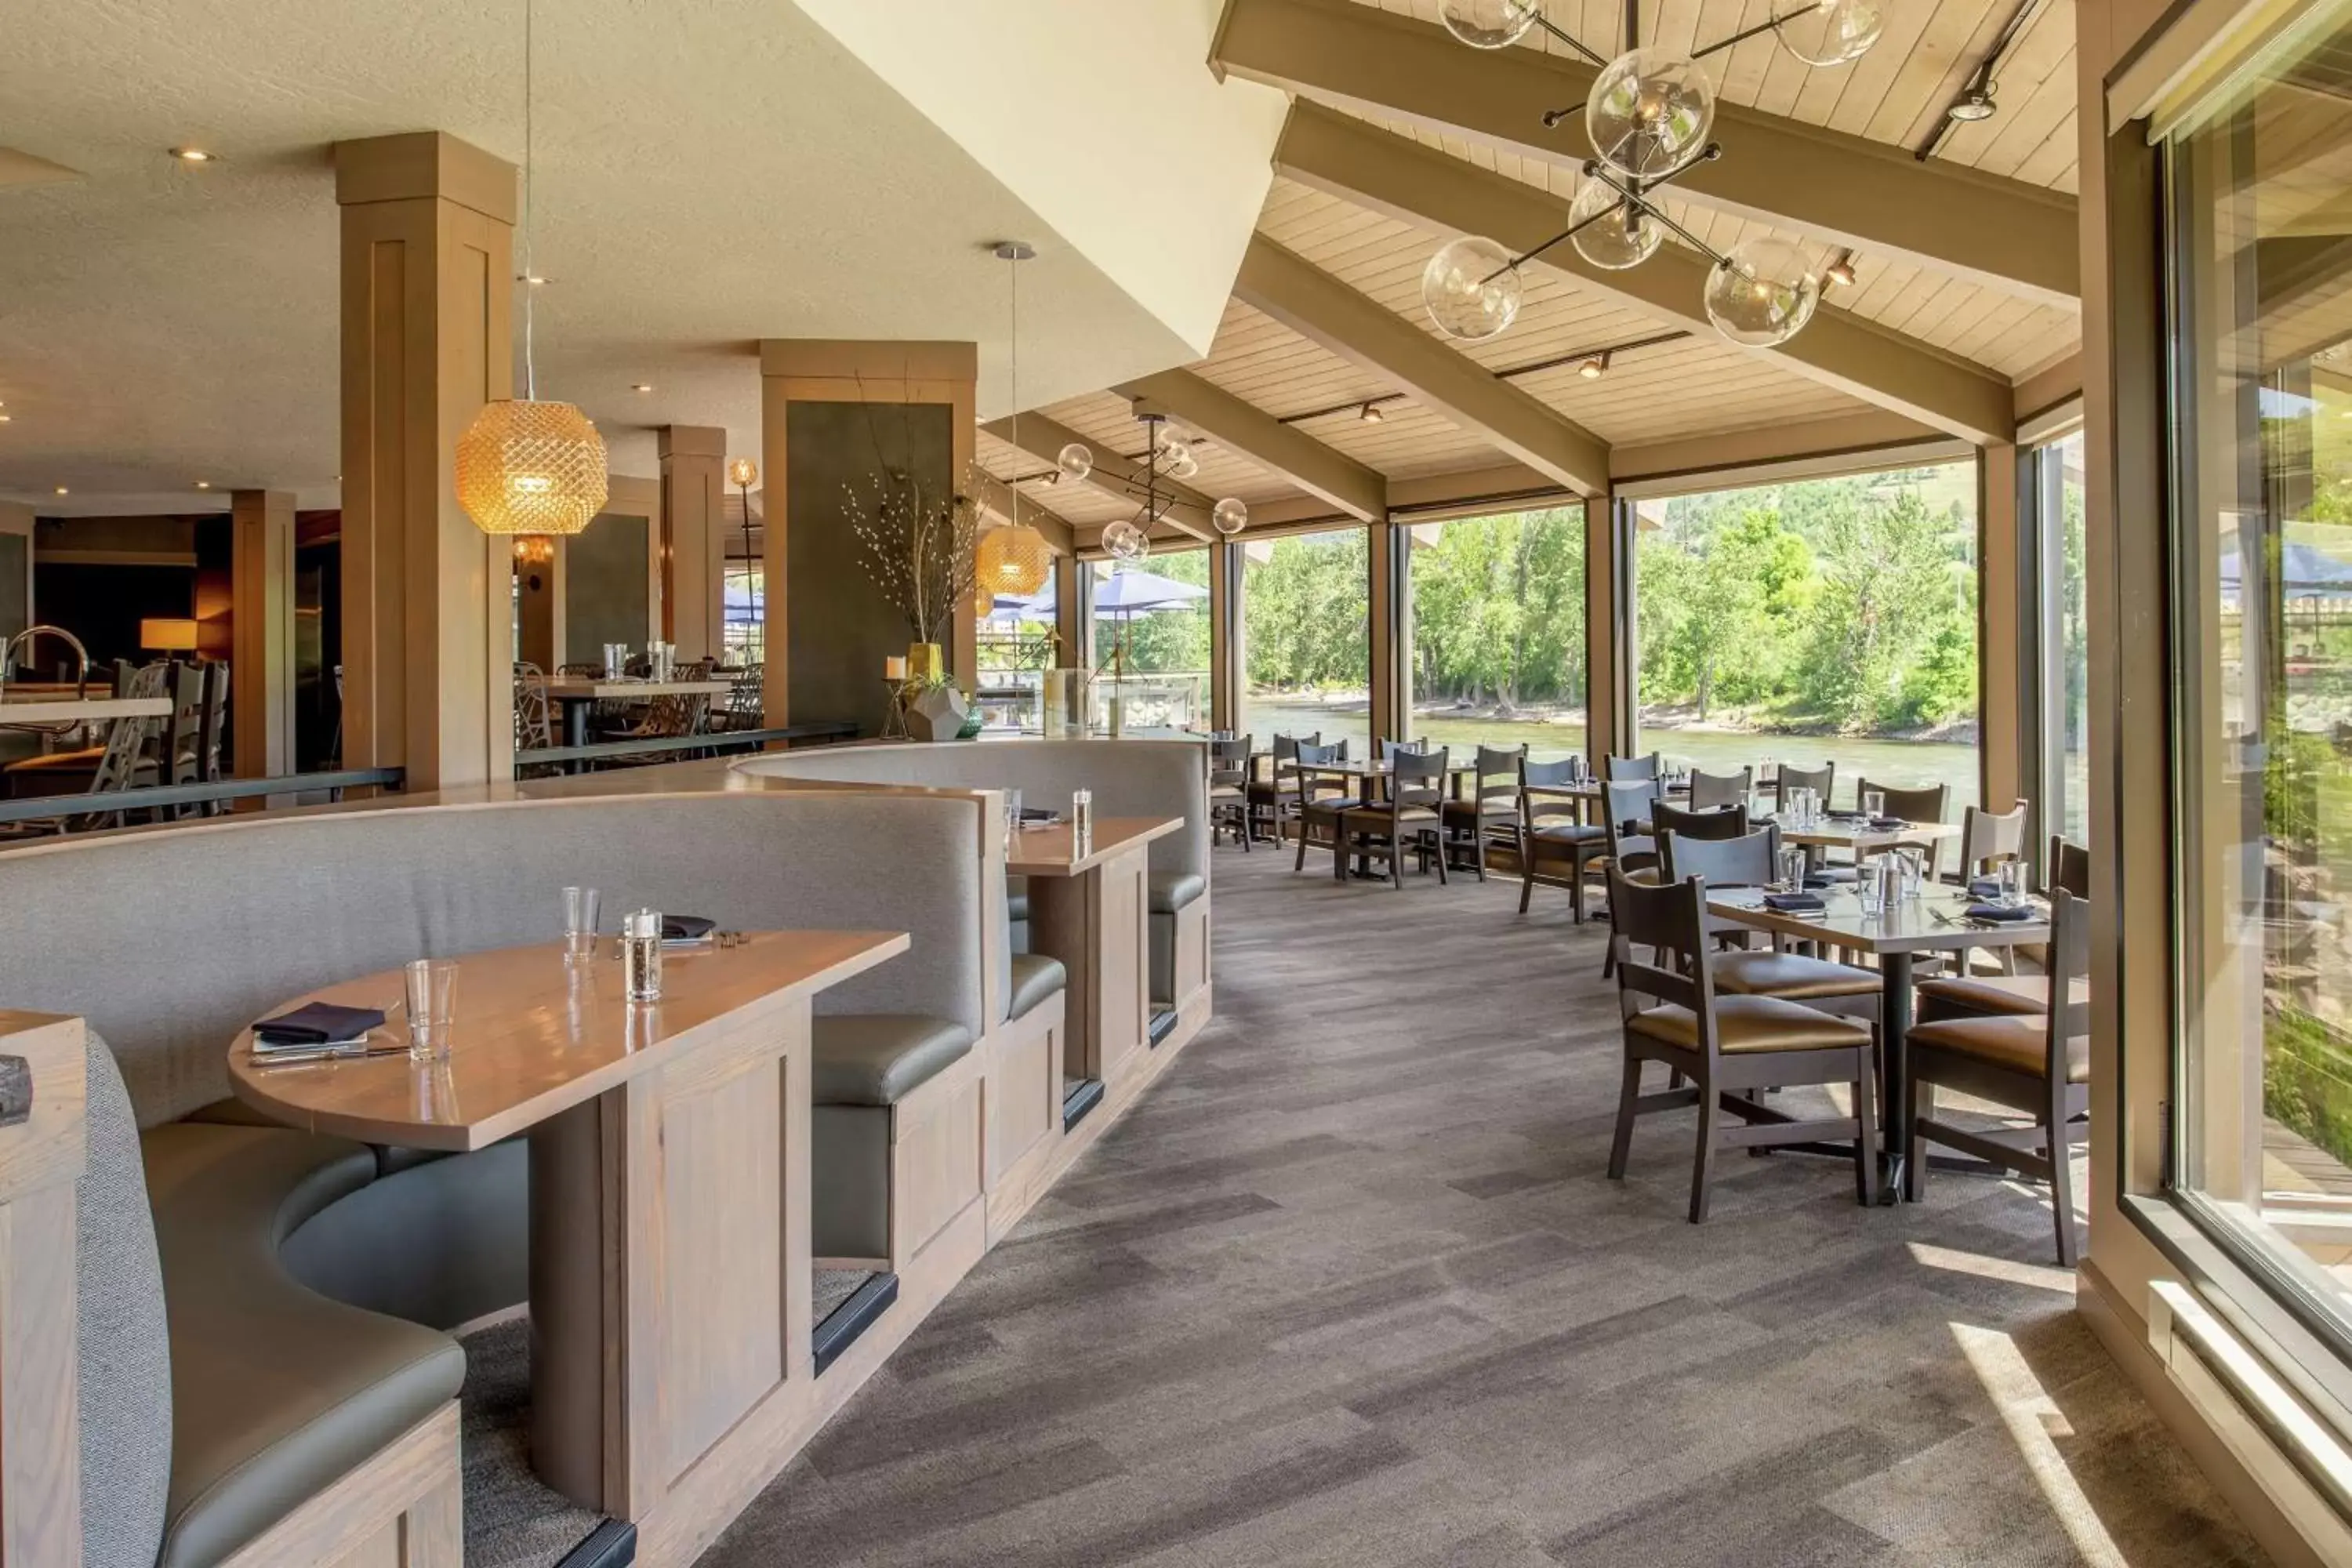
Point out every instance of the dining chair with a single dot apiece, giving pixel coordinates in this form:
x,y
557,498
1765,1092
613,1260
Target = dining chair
x,y
1627,807
1269,797
1727,1046
1721,822
1787,780
1930,803
746,696
1988,839
1410,813
1229,765
1752,860
2068,867
534,722
1383,748
1721,789
1552,828
2012,995
1628,770
1492,810
1318,799
2036,1065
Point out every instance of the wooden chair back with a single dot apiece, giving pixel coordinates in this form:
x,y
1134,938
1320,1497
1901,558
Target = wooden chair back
x,y
1308,786
1988,839
183,730
1722,822
2069,960
1928,803
1628,770
1229,762
1721,789
1787,779
1498,773
1667,922
212,726
2069,867
1748,860
535,726
1417,779
1625,805
1536,777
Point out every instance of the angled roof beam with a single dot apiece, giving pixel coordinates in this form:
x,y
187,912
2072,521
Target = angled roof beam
x,y
1257,435
995,498
1319,307
2014,237
1395,174
1113,474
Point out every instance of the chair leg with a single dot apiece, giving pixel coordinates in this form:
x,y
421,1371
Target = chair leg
x,y
1915,1169
1621,1144
2061,1173
1865,1142
1710,1116
1441,857
1300,864
1478,839
1527,886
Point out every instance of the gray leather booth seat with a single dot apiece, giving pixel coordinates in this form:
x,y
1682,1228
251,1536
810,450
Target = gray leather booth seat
x,y
1127,778
1034,978
279,1315
864,1066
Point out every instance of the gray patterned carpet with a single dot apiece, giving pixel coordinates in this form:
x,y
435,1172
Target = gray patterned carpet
x,y
1351,1288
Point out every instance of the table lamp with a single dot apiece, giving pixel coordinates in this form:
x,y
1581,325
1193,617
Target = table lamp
x,y
168,635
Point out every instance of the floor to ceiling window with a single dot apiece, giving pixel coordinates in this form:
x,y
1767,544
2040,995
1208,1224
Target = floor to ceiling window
x,y
2261,557
1152,640
1497,632
1822,620
2061,638
1014,647
1306,647
745,629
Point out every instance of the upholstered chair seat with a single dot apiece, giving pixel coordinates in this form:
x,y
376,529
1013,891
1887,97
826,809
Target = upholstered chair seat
x,y
1791,976
2014,1042
1753,1024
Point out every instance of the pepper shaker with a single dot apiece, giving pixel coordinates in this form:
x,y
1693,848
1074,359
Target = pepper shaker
x,y
1082,821
641,953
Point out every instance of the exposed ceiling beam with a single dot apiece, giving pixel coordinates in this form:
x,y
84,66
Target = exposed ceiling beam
x,y
1112,473
995,498
1280,448
1395,174
2014,237
1321,307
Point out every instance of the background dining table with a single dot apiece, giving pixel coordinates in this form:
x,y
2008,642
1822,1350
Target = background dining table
x,y
1935,922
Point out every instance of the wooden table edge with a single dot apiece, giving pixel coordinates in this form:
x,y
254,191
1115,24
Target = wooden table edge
x,y
1161,828
246,1081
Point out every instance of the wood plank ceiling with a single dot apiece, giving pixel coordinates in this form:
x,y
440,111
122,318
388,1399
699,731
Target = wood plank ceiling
x,y
1674,385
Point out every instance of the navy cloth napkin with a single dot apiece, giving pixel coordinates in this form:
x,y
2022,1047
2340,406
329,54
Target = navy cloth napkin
x,y
2003,913
1796,903
316,1023
687,928
1984,887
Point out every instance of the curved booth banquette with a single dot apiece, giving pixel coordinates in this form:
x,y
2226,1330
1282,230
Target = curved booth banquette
x,y
1139,777
283,1317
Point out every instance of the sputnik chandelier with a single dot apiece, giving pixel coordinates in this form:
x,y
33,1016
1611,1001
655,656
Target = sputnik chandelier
x,y
1648,118
1167,455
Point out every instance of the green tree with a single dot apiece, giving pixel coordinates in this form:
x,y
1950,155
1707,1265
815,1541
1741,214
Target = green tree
x,y
1894,637
1498,609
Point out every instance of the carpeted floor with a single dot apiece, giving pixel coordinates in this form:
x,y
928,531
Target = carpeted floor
x,y
1349,1287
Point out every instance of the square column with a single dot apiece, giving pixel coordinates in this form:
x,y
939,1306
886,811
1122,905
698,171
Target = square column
x,y
694,538
2001,707
1609,660
261,623
428,297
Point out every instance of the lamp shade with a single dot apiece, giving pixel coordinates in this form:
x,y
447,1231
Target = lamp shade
x,y
168,635
1013,560
525,467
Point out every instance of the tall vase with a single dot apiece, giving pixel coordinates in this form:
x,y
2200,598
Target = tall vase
x,y
923,661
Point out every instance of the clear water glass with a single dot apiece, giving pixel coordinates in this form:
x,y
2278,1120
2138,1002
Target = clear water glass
x,y
1874,803
1012,814
580,908
1792,869
2012,882
432,1004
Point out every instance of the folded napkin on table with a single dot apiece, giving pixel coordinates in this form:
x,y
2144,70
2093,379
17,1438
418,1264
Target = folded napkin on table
x,y
1039,817
1983,911
1984,887
317,1023
1796,903
1888,824
687,928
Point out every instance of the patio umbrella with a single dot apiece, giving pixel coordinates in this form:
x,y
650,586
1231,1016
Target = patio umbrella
x,y
2306,572
1129,592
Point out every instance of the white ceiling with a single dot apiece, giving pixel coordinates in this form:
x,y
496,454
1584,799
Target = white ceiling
x,y
708,176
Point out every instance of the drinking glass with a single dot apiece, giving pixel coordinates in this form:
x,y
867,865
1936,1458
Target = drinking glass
x,y
1913,861
580,907
2012,882
432,1007
1870,888
1792,869
1874,803
1012,814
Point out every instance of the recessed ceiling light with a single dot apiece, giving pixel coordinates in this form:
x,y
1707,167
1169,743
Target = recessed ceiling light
x,y
194,155
6,417
1371,413
61,489
641,386
1593,366
204,484
1974,104
533,279
1839,271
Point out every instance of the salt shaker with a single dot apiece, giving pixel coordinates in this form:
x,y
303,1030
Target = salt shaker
x,y
1081,820
641,953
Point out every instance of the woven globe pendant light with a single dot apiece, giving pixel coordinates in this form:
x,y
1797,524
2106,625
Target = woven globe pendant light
x,y
1013,560
525,467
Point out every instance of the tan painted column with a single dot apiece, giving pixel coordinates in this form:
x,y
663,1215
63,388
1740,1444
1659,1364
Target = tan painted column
x,y
694,535
1228,646
261,625
2001,668
1607,719
811,369
1390,595
1069,574
427,287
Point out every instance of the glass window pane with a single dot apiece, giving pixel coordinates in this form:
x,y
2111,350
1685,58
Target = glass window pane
x,y
1016,646
1152,640
746,629
2261,302
2070,738
1498,632
1824,620
1305,602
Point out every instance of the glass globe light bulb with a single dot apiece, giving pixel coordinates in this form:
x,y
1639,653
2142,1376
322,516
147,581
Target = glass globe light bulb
x,y
1832,33
1229,516
1490,23
1624,238
1763,293
1471,290
1076,460
742,472
1650,112
1126,541
1177,463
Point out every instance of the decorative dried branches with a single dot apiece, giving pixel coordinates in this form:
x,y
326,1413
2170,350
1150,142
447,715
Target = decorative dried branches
x,y
919,549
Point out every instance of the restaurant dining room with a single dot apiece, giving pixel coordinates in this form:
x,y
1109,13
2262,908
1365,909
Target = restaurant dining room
x,y
1463,783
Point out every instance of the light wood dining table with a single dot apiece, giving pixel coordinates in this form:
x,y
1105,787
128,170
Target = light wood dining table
x,y
579,693
1936,922
671,1273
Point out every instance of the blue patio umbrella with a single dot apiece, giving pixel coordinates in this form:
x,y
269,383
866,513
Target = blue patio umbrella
x,y
2306,572
1131,590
